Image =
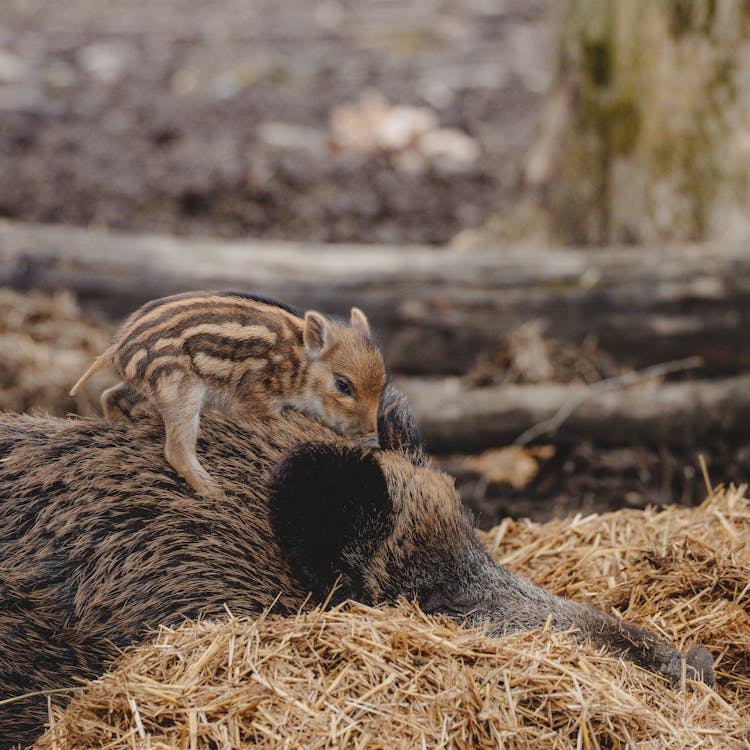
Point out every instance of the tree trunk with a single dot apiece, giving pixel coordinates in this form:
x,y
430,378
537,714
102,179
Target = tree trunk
x,y
647,130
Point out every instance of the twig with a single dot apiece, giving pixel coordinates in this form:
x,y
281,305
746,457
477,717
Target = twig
x,y
37,693
552,425
706,477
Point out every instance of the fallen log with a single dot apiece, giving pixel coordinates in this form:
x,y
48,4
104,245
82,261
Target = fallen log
x,y
435,309
453,417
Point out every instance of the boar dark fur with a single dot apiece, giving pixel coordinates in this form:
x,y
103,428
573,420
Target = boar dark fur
x,y
101,540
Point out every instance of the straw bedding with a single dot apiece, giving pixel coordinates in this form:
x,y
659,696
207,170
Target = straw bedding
x,y
394,678
45,344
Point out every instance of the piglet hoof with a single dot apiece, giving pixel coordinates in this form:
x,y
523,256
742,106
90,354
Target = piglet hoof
x,y
700,665
206,488
212,492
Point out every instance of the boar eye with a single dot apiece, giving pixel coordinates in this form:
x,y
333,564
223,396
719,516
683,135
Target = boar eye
x,y
343,386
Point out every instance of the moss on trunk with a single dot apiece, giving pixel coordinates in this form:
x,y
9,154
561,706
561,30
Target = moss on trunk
x,y
656,145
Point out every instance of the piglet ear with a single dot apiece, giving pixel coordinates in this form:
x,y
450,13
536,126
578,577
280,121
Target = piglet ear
x,y
330,509
359,320
317,333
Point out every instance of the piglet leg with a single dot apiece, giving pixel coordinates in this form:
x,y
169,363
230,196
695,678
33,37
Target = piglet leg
x,y
179,400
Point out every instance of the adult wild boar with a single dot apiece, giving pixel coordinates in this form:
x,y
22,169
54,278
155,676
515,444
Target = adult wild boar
x,y
101,539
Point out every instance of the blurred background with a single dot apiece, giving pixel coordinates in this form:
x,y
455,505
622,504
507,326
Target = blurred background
x,y
542,207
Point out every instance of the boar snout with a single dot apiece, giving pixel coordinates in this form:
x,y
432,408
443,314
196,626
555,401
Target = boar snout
x,y
696,665
700,665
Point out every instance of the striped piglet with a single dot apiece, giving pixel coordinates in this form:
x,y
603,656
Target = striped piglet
x,y
236,351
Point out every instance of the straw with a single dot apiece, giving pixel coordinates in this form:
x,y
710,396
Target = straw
x,y
357,676
45,344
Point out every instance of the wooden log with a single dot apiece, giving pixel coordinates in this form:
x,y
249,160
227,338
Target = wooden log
x,y
454,418
435,309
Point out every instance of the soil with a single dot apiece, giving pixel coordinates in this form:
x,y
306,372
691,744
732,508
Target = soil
x,y
586,479
213,118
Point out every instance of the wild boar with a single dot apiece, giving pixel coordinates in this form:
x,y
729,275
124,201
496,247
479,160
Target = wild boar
x,y
101,539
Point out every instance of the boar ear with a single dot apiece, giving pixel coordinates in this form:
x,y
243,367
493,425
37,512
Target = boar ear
x,y
397,426
317,333
330,509
359,320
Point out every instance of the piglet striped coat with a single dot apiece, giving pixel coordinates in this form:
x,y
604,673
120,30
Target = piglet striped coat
x,y
239,352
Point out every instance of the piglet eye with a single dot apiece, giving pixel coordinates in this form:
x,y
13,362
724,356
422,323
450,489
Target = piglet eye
x,y
343,386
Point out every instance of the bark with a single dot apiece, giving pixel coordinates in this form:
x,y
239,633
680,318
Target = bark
x,y
435,310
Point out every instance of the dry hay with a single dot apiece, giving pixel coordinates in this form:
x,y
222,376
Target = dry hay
x,y
45,344
394,678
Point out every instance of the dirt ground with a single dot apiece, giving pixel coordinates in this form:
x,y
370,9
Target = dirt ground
x,y
213,118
